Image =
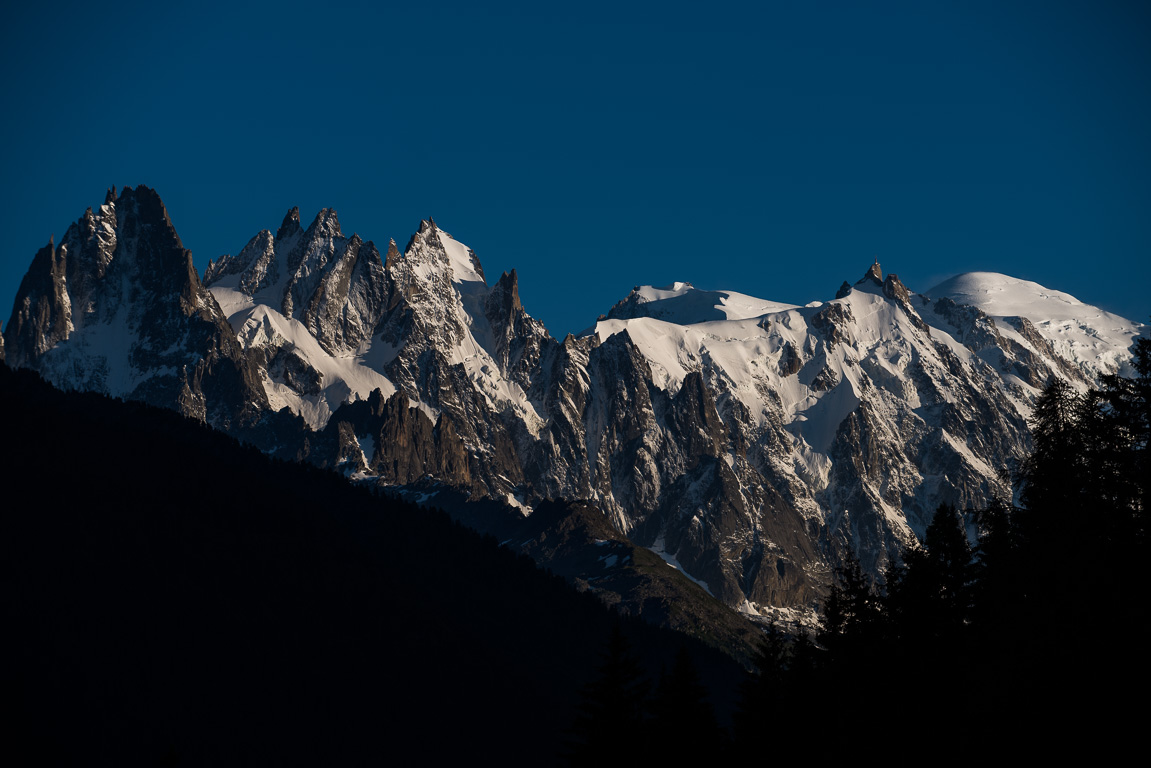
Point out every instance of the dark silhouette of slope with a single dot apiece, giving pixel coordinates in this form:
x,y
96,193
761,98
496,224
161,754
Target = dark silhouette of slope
x,y
172,597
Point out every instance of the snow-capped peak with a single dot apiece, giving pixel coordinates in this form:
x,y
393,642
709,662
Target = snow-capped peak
x,y
461,260
1095,340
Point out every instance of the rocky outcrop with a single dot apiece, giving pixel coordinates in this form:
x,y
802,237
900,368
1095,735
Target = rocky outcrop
x,y
575,541
1036,363
833,322
789,360
873,276
895,290
350,299
1047,352
42,315
520,342
628,307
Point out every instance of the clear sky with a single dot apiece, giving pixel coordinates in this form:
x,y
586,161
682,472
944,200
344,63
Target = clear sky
x,y
772,148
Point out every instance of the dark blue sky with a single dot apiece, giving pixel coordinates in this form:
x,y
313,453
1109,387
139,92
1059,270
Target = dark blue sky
x,y
769,148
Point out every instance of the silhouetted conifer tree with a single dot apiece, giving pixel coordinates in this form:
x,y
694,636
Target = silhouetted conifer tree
x,y
928,607
852,616
1118,426
610,726
937,582
998,590
1054,475
789,682
683,728
762,691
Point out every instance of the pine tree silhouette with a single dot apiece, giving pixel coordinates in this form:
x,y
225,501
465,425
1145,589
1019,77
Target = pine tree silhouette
x,y
683,728
852,615
612,714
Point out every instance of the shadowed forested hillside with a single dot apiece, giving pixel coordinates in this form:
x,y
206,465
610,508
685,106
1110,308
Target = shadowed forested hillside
x,y
171,597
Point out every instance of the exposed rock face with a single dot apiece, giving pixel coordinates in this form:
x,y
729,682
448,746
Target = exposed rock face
x,y
895,290
789,360
350,299
873,276
287,365
833,322
394,441
1034,363
1047,353
42,316
750,443
630,306
519,340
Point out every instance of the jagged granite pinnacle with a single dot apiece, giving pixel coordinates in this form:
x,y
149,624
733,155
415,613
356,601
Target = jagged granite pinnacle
x,y
874,274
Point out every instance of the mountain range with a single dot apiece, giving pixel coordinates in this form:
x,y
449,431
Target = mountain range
x,y
749,444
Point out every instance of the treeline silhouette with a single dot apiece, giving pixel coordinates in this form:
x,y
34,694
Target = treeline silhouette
x,y
1039,633
171,597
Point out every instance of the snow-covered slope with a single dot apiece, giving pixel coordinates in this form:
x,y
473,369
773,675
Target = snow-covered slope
x,y
1095,340
300,375
683,303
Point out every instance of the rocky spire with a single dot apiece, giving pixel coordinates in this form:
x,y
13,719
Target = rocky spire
x,y
392,256
505,296
893,288
326,223
428,234
874,274
321,245
290,225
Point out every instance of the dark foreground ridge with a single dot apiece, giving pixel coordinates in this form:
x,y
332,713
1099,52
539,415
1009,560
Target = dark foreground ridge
x,y
283,617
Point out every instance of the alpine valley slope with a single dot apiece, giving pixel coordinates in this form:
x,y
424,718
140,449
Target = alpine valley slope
x,y
749,443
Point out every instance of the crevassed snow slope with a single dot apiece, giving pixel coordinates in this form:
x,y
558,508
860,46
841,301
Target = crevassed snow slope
x,y
1095,340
